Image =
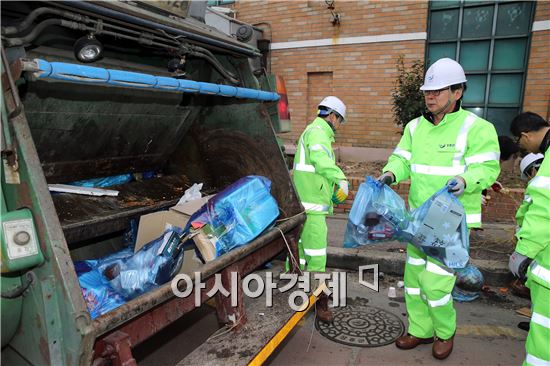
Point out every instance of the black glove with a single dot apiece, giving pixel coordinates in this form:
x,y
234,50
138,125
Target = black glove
x,y
387,178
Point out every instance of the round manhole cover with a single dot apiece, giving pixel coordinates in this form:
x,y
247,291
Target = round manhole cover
x,y
362,325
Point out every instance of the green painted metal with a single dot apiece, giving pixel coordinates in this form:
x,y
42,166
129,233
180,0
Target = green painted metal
x,y
69,132
16,257
11,308
32,192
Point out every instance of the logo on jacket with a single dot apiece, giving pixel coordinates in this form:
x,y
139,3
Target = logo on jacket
x,y
446,146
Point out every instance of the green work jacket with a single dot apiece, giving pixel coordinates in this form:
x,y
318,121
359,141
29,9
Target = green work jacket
x,y
315,170
462,144
533,218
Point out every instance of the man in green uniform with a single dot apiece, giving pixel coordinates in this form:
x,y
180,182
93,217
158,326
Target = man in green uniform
x,y
319,183
450,146
533,237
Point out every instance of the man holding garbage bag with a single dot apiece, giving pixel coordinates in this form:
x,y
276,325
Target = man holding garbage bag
x,y
531,257
319,183
449,146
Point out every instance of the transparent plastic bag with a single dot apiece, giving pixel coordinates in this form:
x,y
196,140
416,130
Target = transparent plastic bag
x,y
468,285
110,281
191,193
89,264
98,294
377,215
154,264
105,181
438,228
238,214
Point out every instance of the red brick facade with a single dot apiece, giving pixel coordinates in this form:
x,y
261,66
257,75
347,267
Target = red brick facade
x,y
537,86
363,74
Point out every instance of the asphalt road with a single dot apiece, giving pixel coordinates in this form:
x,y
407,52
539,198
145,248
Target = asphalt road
x,y
487,334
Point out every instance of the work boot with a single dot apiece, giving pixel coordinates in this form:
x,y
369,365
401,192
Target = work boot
x,y
324,314
409,341
442,348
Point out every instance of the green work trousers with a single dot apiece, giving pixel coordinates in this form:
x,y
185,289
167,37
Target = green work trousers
x,y
312,246
537,345
428,287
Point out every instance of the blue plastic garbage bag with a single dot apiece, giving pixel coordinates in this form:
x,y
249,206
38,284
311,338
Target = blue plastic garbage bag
x,y
110,281
469,281
154,264
438,228
378,214
130,235
104,182
98,294
239,213
89,264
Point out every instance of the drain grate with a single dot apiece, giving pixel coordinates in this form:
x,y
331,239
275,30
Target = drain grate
x,y
361,325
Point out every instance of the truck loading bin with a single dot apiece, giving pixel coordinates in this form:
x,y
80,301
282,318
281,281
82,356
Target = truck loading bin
x,y
60,124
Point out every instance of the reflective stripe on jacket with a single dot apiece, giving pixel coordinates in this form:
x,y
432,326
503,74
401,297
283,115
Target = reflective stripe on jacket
x,y
461,144
315,169
534,221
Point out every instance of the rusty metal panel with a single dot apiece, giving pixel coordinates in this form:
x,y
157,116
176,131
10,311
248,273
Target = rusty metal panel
x,y
56,285
87,131
157,318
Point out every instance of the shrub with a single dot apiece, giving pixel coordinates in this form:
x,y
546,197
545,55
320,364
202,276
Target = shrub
x,y
408,100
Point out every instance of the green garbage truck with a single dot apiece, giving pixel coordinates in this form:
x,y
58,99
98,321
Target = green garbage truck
x,y
102,89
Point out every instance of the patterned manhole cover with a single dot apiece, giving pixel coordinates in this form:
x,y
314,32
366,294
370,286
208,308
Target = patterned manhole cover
x,y
361,325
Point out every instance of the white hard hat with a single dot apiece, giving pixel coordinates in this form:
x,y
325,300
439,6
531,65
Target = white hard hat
x,y
334,104
443,73
528,161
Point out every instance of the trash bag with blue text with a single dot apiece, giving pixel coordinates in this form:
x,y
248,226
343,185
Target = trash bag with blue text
x,y
377,215
238,214
110,281
98,294
438,228
154,264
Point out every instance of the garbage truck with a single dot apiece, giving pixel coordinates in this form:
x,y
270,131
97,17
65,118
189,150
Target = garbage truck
x,y
101,89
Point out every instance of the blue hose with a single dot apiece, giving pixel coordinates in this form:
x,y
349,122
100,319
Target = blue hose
x,y
97,75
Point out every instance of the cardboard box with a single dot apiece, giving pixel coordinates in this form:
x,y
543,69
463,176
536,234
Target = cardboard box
x,y
206,243
152,225
189,208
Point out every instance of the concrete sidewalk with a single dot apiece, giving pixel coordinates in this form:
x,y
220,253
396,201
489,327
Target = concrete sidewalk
x,y
391,256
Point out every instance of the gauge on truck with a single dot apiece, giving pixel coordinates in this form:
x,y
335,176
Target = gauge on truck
x,y
20,249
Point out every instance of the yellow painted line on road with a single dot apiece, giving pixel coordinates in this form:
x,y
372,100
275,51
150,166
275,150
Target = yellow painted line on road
x,y
280,336
490,331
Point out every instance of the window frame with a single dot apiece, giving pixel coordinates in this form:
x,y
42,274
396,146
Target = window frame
x,y
462,5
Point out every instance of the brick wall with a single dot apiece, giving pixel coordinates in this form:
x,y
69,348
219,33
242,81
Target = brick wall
x,y
363,74
537,85
501,207
304,20
363,80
